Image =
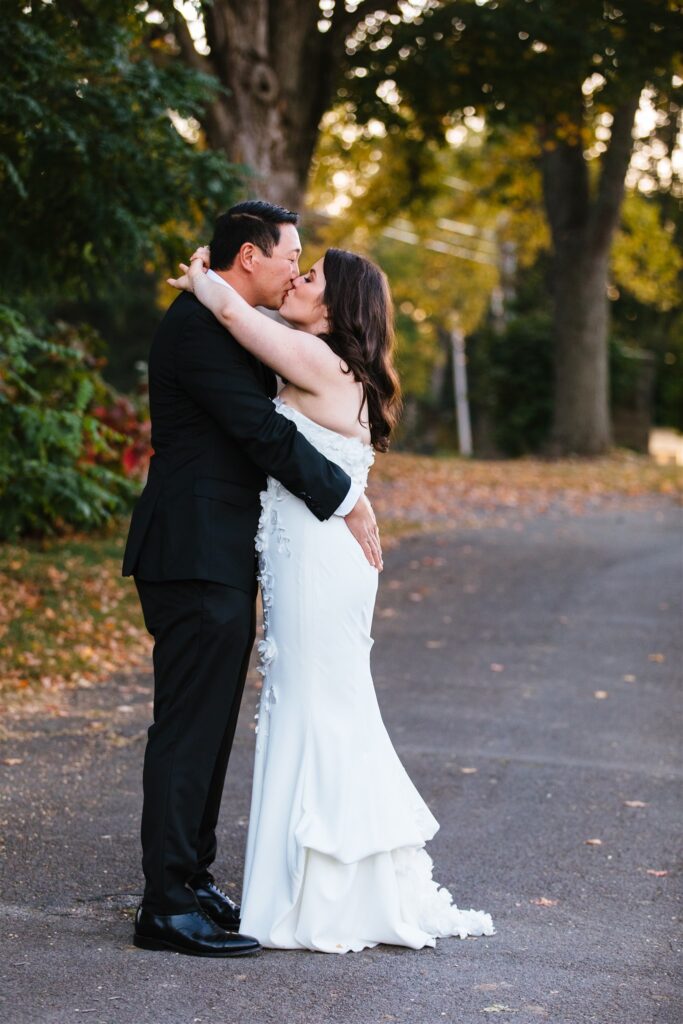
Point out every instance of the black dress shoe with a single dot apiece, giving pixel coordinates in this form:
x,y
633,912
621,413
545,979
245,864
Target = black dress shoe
x,y
218,906
194,933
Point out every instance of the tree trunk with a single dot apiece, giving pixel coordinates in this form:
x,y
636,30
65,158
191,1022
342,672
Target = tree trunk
x,y
265,122
581,421
281,73
582,231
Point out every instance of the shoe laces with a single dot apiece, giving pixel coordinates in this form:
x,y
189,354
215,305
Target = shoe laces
x,y
215,926
223,894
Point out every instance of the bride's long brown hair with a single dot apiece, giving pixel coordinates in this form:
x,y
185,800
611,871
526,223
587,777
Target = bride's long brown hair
x,y
361,332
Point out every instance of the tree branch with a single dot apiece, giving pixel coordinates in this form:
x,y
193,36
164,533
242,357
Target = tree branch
x,y
607,205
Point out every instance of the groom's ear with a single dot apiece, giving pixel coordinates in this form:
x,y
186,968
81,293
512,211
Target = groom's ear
x,y
246,257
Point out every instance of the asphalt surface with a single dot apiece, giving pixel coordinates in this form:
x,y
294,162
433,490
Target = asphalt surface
x,y
530,679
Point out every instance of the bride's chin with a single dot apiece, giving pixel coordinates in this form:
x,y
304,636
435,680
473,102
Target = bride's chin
x,y
285,314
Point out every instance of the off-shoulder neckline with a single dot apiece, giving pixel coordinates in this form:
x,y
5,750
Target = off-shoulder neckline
x,y
364,444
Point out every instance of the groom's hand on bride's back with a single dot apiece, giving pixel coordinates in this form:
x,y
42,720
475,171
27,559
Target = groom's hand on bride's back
x,y
363,525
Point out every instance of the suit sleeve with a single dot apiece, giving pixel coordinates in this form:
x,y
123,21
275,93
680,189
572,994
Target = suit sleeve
x,y
217,375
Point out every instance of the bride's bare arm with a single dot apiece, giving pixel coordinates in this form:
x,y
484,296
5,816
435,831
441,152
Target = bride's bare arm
x,y
303,359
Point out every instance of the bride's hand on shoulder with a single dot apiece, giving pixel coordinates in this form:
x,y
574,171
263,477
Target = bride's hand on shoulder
x,y
200,261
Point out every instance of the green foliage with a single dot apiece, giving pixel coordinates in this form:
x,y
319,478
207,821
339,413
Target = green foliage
x,y
571,76
647,272
371,177
102,168
94,175
646,259
669,376
59,464
639,327
510,378
519,63
125,314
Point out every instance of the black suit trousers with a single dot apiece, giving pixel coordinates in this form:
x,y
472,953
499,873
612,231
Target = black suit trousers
x,y
203,634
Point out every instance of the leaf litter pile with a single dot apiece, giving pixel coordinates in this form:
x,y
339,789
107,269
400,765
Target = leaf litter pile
x,y
68,619
412,492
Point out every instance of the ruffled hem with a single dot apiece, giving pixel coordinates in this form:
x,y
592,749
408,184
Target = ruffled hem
x,y
389,898
359,877
429,905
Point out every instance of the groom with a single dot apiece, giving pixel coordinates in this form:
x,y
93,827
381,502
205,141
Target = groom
x,y
216,436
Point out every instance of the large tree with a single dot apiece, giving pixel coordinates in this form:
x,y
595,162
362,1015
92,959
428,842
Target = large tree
x,y
575,75
279,63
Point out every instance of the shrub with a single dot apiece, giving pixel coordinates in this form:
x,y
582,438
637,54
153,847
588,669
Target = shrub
x,y
62,463
511,381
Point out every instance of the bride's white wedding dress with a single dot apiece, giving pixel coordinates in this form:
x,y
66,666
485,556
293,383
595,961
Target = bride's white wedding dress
x,y
335,856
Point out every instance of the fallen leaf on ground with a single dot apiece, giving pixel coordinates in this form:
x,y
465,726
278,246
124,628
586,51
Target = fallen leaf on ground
x,y
593,842
656,657
543,901
11,761
601,695
657,874
468,771
634,803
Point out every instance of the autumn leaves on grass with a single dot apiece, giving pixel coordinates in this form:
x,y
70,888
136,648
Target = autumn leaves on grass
x,y
68,618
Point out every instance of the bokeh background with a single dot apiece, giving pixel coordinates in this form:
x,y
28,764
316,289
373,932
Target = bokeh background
x,y
515,166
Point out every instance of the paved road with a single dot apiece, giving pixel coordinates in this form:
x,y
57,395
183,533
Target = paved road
x,y
493,651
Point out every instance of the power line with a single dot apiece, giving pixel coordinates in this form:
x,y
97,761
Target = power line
x,y
434,245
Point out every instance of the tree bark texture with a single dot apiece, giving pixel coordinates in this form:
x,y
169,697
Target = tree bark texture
x,y
281,73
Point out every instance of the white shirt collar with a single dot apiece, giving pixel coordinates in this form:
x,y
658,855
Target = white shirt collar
x,y
216,277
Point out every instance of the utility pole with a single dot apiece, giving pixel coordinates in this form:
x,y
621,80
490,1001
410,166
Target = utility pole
x,y
462,408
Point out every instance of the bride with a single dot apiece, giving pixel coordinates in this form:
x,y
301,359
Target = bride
x,y
336,857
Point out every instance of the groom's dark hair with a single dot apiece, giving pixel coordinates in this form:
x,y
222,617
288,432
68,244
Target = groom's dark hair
x,y
252,221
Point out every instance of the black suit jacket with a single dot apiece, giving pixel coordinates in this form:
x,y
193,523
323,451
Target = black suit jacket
x,y
216,435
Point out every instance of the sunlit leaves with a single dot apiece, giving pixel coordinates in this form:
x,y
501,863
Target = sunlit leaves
x,y
646,260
